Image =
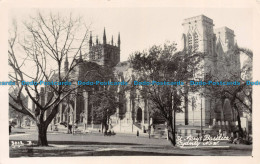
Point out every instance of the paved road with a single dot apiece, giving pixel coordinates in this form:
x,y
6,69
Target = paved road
x,y
96,144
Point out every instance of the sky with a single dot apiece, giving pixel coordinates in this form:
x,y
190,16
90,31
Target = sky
x,y
140,28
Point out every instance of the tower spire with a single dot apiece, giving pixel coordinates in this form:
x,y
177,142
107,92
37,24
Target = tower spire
x,y
90,39
236,44
118,40
96,39
104,37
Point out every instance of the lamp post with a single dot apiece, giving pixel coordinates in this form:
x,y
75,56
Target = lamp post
x,y
201,119
68,110
192,106
174,118
201,129
74,115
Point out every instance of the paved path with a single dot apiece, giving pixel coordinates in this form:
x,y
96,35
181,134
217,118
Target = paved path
x,y
96,144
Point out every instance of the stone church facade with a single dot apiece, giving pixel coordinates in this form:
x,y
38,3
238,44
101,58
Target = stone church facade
x,y
219,62
199,35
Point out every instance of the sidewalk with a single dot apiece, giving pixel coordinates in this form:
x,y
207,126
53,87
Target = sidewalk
x,y
62,144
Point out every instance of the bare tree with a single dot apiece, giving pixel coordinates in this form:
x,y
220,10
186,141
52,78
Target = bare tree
x,y
38,55
13,113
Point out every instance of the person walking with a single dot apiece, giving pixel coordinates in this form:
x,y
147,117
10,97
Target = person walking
x,y
70,127
10,129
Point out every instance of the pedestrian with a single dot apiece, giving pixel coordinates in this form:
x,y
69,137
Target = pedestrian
x,y
10,129
70,127
137,133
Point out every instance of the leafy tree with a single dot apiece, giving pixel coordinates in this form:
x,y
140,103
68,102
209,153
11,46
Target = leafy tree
x,y
104,103
164,63
104,99
240,96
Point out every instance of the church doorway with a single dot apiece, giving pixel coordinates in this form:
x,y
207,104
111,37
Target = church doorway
x,y
227,111
139,115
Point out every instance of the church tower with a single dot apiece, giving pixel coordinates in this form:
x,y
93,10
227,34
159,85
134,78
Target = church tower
x,y
226,37
198,34
225,45
219,62
106,53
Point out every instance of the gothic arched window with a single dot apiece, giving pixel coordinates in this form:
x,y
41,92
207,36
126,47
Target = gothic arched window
x,y
209,45
196,41
189,42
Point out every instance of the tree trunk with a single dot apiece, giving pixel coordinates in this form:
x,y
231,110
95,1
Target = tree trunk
x,y
239,125
19,123
102,127
105,126
104,123
149,126
239,121
174,128
73,123
172,137
68,122
42,135
172,121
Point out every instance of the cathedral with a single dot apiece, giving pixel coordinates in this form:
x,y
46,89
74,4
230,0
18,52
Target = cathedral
x,y
199,35
204,111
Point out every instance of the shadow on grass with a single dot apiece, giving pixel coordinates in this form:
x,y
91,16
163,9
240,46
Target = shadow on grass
x,y
83,143
75,152
89,143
